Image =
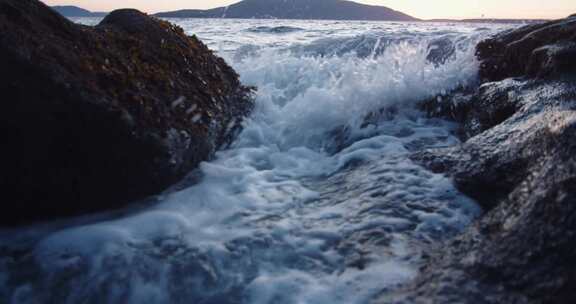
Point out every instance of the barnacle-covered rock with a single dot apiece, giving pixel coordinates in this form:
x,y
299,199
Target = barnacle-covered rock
x,y
95,117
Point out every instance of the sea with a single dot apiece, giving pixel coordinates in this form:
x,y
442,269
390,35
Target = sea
x,y
316,201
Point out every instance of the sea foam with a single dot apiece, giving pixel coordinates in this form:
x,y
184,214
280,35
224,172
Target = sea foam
x,y
284,216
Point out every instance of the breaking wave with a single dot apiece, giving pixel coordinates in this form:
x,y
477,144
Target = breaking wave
x,y
316,202
274,29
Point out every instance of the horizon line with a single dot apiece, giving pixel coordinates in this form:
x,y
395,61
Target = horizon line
x,y
482,17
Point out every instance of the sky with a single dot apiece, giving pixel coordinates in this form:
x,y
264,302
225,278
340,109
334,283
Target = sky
x,y
424,9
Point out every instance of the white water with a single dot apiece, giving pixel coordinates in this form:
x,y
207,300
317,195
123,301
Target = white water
x,y
311,204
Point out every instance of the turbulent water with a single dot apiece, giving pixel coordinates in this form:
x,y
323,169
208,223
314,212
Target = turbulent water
x,y
315,202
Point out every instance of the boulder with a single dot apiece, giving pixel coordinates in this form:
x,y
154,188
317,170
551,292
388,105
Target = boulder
x,y
537,50
96,117
518,161
478,109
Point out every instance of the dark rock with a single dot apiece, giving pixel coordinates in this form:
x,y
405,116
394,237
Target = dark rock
x,y
519,163
477,110
537,50
523,172
94,118
508,120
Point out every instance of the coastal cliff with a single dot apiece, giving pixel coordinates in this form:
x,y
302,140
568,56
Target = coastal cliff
x,y
96,117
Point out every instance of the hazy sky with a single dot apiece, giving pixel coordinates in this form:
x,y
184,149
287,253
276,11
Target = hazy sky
x,y
425,9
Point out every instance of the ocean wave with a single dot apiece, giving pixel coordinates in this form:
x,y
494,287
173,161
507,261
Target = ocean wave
x,y
439,48
292,212
274,29
333,83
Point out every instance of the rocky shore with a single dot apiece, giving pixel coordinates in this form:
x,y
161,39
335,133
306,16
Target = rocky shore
x,y
96,117
518,161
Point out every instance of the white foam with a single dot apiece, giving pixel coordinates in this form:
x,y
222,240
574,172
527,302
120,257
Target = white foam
x,y
276,216
303,97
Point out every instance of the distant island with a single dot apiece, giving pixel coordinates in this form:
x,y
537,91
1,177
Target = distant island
x,y
74,11
490,20
295,9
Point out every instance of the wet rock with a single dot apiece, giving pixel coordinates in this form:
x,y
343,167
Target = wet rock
x,y
519,163
540,50
510,137
95,117
479,109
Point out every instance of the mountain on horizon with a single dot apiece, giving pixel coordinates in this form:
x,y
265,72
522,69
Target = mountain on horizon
x,y
75,11
295,9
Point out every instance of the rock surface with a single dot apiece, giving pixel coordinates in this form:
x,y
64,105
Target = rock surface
x,y
95,117
537,50
519,162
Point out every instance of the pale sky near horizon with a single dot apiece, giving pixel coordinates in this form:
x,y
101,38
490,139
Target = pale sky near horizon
x,y
425,9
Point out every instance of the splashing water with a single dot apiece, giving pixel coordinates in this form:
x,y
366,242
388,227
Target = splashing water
x,y
316,201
